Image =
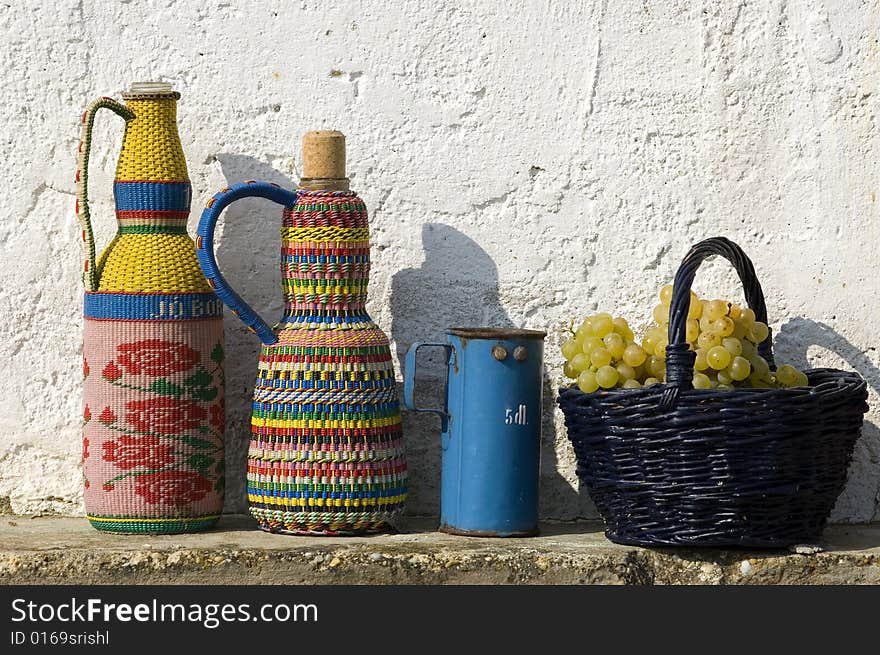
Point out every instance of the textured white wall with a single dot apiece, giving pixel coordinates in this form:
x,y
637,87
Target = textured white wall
x,y
524,162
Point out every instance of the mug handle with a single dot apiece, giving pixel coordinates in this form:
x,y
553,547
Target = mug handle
x,y
409,381
205,248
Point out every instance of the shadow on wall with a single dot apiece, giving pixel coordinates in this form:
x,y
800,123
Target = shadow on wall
x,y
457,285
248,255
791,346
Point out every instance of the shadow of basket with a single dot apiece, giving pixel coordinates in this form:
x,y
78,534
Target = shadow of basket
x,y
860,500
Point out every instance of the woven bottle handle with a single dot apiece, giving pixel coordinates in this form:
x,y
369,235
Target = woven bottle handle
x,y
90,274
205,248
679,359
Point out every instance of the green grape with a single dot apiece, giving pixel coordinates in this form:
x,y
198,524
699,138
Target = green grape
x,y
760,367
740,368
600,357
570,348
723,377
655,334
692,331
626,371
656,366
748,317
622,328
695,310
615,344
787,375
634,355
708,340
603,315
760,331
701,363
580,362
715,309
749,349
631,384
739,330
584,330
661,314
666,294
705,324
587,382
607,376
701,381
732,345
758,382
660,348
725,387
723,327
602,325
802,379
650,381
569,371
735,312
718,358
590,344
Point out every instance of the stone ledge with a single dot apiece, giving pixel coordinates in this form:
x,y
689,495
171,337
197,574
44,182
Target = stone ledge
x,y
49,550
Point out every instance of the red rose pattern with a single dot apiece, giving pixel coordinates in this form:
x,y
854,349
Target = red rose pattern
x,y
171,487
111,372
218,415
132,452
156,357
164,415
107,416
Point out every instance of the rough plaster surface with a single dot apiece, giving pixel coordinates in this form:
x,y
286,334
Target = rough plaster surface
x,y
524,163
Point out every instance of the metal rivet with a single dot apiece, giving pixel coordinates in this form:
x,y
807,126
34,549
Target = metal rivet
x,y
520,353
499,352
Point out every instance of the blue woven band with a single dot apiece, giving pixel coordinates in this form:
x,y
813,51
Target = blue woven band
x,y
157,196
152,306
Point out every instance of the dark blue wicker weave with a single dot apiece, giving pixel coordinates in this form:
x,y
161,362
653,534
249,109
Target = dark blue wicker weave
x,y
670,465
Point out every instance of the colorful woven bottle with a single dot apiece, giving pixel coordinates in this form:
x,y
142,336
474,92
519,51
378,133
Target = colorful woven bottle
x,y
326,453
152,339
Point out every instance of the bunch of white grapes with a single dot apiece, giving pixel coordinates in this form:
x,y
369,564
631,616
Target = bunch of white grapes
x,y
603,353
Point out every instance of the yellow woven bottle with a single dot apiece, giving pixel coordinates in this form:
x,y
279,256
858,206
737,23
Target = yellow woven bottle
x,y
153,338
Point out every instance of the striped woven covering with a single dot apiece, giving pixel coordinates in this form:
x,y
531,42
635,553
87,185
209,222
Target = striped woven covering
x,y
326,454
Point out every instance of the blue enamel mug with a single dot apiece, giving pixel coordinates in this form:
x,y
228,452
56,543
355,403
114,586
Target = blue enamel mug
x,y
491,429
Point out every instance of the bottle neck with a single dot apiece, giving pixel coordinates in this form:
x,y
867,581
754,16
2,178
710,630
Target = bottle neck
x,y
152,187
325,258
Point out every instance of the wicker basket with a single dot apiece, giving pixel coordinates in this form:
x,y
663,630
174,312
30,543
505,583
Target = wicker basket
x,y
676,466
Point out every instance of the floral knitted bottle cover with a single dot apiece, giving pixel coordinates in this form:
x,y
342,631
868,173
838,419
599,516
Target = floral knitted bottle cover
x,y
152,340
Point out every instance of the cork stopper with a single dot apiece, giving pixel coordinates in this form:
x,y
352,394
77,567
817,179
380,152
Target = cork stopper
x,y
324,161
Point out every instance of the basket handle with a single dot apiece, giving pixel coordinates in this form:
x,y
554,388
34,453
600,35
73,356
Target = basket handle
x,y
205,248
679,358
90,274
